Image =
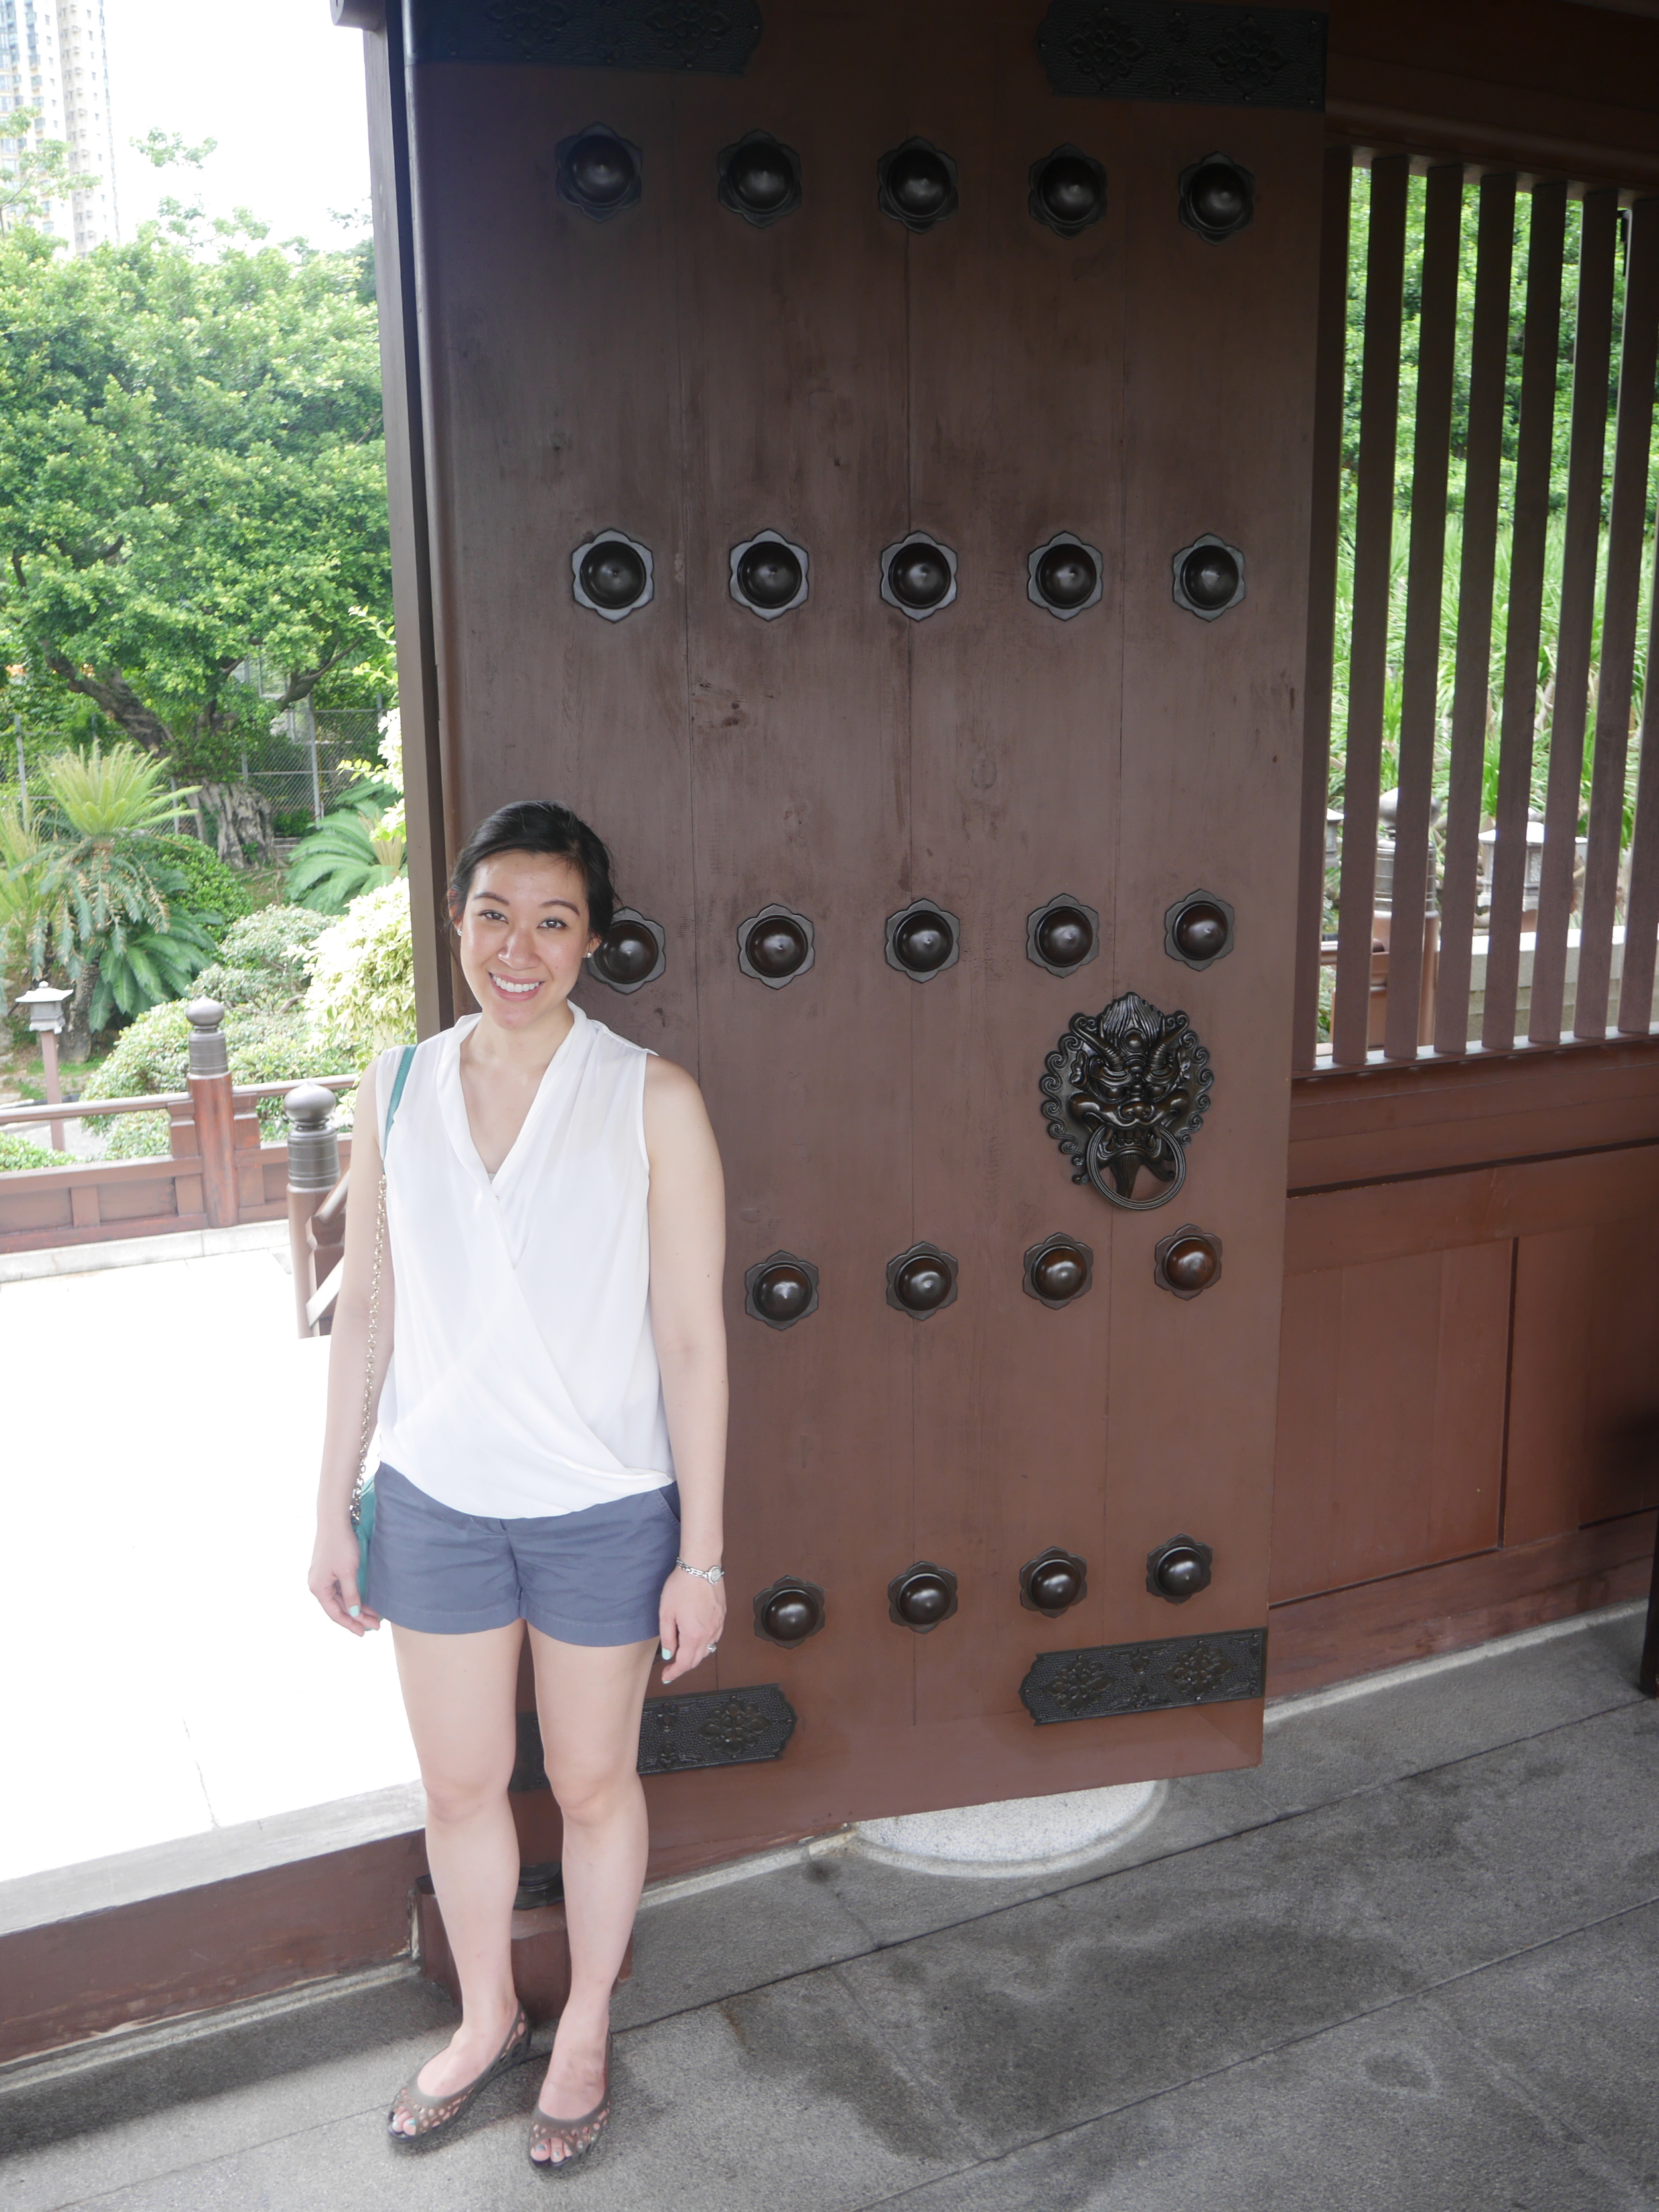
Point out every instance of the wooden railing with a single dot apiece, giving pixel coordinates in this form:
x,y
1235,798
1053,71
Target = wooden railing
x,y
215,1172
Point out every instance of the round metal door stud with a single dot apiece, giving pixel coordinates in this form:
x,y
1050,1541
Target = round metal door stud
x,y
760,178
1188,1260
769,575
775,946
1053,1581
1062,936
1209,577
1217,197
788,1612
632,952
918,576
1179,1569
612,575
1198,930
781,1289
916,184
599,172
1064,576
921,1596
1057,1270
1069,190
922,1281
923,941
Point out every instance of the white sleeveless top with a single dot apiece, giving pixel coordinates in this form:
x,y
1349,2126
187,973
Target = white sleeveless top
x,y
524,1376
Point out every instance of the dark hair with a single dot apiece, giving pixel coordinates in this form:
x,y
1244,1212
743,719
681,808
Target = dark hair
x,y
538,825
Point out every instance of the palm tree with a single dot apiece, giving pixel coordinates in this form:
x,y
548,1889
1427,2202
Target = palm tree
x,y
99,889
354,851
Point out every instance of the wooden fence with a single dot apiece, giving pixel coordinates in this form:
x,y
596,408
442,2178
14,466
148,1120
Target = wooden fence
x,y
216,1171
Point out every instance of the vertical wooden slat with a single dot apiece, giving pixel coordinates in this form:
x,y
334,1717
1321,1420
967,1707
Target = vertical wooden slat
x,y
1532,494
1471,689
1586,469
1442,226
1325,536
1641,909
1379,420
1619,616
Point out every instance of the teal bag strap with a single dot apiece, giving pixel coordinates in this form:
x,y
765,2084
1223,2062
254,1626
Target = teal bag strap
x,y
405,1061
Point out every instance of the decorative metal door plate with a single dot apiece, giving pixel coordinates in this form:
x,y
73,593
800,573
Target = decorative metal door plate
x,y
714,36
918,576
1168,1672
1123,1090
1201,52
1198,930
1063,935
708,1728
916,184
1069,190
600,172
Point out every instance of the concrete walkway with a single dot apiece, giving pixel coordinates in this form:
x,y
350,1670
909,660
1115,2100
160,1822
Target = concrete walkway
x,y
1411,1965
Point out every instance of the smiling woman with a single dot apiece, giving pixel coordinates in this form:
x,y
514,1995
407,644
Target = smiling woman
x,y
550,1382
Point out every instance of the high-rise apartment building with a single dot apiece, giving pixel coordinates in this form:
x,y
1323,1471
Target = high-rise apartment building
x,y
53,60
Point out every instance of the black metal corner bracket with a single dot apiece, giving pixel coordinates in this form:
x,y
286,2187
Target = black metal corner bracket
x,y
1201,52
714,37
1168,1672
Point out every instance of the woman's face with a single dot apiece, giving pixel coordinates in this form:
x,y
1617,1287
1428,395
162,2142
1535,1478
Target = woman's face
x,y
524,933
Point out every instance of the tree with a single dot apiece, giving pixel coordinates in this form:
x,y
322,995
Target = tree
x,y
36,173
100,893
192,477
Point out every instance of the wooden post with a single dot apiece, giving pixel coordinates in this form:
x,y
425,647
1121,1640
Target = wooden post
x,y
214,1111
54,1089
314,1169
1648,1680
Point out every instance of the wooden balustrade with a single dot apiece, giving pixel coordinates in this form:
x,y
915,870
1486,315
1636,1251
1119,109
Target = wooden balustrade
x,y
215,1173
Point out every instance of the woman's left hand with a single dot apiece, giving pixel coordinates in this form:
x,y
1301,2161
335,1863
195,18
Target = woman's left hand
x,y
692,1616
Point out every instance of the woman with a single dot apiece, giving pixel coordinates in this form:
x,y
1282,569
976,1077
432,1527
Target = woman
x,y
550,1377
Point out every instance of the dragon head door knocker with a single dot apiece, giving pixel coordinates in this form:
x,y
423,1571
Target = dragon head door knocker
x,y
1123,1090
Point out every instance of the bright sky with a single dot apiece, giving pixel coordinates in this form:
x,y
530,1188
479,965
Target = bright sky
x,y
273,80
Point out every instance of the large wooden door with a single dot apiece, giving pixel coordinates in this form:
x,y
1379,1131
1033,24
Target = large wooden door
x,y
688,380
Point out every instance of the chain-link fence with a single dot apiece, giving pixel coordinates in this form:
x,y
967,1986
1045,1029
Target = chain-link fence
x,y
301,766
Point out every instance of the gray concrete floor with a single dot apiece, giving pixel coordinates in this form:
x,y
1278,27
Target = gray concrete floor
x,y
1413,1962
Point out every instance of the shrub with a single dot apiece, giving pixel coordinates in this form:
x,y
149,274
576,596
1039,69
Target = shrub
x,y
207,885
260,980
19,1152
354,851
362,997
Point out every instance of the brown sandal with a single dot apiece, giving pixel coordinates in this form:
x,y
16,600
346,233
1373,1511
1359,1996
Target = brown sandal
x,y
431,2113
575,2137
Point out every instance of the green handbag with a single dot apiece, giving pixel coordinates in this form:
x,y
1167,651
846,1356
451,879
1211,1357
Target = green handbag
x,y
362,1497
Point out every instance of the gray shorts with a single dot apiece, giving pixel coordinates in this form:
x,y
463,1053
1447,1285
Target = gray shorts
x,y
594,1576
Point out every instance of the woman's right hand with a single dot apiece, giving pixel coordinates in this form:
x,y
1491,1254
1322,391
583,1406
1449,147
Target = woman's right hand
x,y
333,1579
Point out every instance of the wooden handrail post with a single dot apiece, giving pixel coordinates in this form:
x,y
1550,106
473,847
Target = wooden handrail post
x,y
314,1169
214,1111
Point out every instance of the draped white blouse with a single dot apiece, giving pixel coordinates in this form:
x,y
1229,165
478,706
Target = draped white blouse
x,y
524,1376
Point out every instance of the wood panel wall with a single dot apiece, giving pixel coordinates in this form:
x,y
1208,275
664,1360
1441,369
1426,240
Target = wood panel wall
x,y
1469,1431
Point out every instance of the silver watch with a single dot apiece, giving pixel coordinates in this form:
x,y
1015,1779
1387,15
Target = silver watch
x,y
703,1574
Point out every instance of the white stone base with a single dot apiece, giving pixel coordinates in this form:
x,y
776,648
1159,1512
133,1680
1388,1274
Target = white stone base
x,y
1019,1836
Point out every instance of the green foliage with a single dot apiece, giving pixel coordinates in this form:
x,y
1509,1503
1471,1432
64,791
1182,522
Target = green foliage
x,y
206,886
260,978
191,472
19,1151
344,856
151,965
1446,653
362,997
36,173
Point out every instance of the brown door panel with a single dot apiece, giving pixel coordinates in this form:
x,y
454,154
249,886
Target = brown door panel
x,y
690,379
